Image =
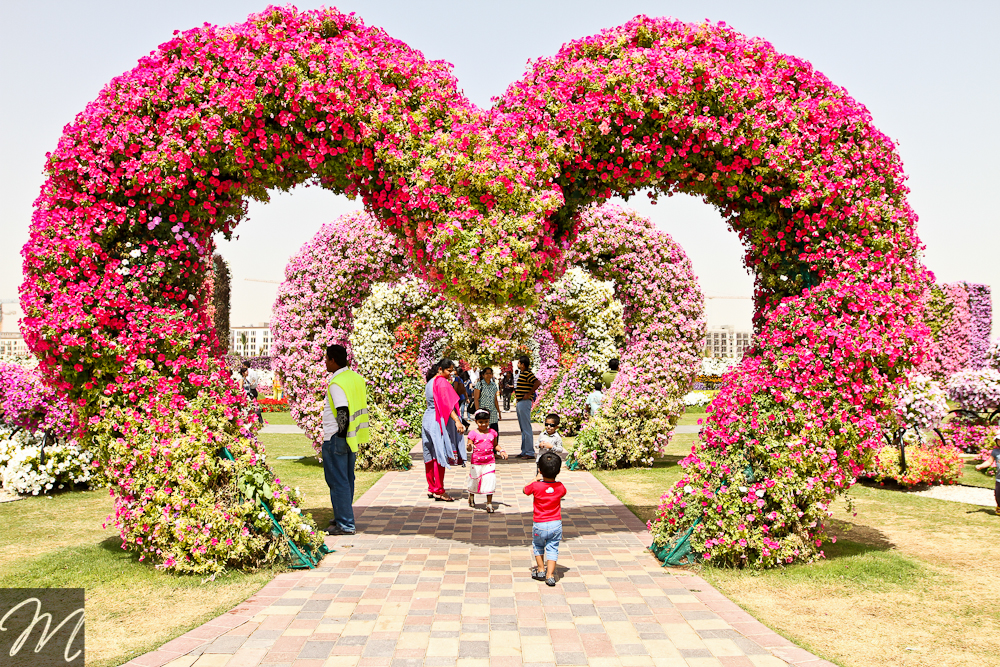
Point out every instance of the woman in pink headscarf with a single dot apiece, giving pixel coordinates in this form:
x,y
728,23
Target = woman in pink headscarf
x,y
442,428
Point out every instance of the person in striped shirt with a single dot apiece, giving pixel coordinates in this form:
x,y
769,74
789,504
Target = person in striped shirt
x,y
524,395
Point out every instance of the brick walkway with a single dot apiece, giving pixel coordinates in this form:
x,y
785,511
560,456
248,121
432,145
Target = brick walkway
x,y
432,584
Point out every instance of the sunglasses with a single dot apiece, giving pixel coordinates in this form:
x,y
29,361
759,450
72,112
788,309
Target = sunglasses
x,y
547,424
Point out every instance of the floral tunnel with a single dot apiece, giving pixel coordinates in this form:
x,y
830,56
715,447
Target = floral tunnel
x,y
349,285
171,151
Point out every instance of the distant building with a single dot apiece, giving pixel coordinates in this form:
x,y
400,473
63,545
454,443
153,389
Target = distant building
x,y
12,344
725,341
251,341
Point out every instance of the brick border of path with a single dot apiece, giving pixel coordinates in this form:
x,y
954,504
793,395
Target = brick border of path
x,y
235,622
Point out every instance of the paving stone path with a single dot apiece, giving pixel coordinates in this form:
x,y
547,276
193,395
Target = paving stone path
x,y
433,584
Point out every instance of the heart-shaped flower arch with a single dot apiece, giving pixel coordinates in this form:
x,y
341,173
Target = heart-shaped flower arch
x,y
350,285
170,152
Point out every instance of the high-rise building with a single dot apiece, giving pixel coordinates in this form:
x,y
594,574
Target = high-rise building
x,y
12,344
725,341
251,341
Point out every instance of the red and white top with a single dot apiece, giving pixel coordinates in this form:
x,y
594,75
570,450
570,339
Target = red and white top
x,y
482,446
548,500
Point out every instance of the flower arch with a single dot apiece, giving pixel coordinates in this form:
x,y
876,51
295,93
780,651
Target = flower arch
x,y
168,155
662,304
397,322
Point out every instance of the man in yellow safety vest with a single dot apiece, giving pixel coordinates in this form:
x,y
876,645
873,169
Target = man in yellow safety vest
x,y
345,428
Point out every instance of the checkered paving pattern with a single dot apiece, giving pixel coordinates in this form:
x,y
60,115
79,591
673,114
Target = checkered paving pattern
x,y
434,584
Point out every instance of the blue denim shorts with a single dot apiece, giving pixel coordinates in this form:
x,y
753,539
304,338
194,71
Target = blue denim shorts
x,y
545,539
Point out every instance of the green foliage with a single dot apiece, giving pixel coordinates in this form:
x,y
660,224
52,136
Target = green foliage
x,y
388,449
221,291
254,484
938,310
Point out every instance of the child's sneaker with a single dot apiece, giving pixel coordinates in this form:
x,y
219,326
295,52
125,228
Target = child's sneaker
x,y
551,581
537,574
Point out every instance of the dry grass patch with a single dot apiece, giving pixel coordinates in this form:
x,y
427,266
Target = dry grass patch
x,y
909,582
913,587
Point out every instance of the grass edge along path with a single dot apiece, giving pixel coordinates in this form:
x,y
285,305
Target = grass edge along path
x,y
913,587
133,608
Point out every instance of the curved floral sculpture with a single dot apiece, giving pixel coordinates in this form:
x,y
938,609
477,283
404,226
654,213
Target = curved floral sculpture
x,y
345,285
330,276
170,152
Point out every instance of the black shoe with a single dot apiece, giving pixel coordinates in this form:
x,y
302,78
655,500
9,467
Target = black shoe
x,y
537,574
550,581
336,530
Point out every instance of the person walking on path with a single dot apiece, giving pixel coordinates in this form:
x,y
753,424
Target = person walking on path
x,y
484,397
483,447
345,428
441,428
546,525
524,395
248,380
609,375
507,383
993,459
460,383
595,399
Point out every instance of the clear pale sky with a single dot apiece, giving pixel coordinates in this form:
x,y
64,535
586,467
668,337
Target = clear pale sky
x,y
928,72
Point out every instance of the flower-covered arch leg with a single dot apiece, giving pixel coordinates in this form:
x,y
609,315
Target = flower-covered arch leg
x,y
816,194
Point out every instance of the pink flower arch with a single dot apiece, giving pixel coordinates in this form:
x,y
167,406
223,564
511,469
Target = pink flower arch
x,y
170,152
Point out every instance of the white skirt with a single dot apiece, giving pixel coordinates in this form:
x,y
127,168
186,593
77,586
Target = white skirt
x,y
483,478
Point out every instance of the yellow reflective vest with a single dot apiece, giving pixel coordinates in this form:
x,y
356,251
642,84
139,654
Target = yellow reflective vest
x,y
353,385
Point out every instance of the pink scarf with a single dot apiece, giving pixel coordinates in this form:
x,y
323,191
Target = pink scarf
x,y
445,400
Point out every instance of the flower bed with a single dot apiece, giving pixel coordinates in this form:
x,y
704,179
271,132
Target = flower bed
x,y
39,450
971,435
273,404
924,466
30,466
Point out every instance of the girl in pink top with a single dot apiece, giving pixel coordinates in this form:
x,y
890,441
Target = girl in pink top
x,y
483,445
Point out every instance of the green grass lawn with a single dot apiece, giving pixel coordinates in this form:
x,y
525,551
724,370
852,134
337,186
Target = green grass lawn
x,y
283,418
909,581
59,541
973,477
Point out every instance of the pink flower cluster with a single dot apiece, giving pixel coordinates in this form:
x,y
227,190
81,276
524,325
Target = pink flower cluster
x,y
664,335
325,281
27,402
960,317
170,152
981,315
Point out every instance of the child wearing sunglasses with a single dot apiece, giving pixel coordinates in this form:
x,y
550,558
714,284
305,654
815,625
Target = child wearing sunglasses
x,y
550,440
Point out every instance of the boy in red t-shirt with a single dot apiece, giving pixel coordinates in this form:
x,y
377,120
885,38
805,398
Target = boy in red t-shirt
x,y
546,529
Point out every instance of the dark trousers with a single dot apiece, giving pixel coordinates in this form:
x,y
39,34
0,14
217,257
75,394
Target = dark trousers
x,y
506,400
338,468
